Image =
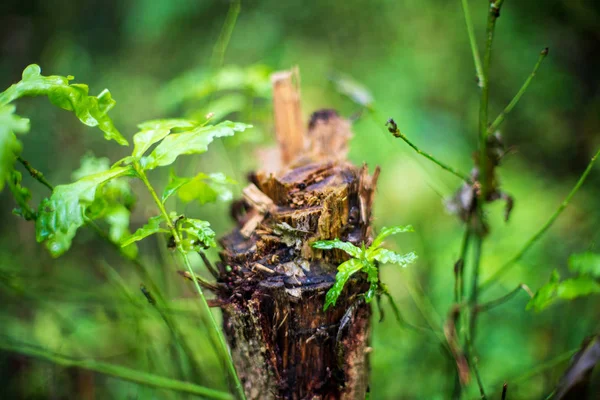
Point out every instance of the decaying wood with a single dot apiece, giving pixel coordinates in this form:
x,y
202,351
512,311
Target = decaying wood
x,y
288,114
273,283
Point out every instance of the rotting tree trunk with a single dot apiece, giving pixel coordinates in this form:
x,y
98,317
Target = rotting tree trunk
x,y
274,284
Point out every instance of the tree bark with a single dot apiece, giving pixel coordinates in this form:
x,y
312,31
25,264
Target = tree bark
x,y
273,284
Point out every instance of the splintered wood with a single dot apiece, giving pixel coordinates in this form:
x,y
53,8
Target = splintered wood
x,y
272,283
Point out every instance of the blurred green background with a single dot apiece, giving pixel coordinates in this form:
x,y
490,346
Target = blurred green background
x,y
161,58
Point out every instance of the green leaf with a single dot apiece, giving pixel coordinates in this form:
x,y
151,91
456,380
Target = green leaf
x,y
117,217
195,141
64,212
206,188
152,227
200,233
338,244
585,264
385,232
175,183
22,196
10,146
556,290
345,271
385,256
154,131
91,110
373,279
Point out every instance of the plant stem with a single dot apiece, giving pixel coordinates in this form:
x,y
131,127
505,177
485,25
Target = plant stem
x,y
512,262
226,31
204,305
396,132
485,174
459,285
500,118
117,371
493,303
37,175
473,42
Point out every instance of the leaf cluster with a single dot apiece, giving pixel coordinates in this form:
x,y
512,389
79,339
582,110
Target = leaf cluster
x,y
585,283
364,260
101,191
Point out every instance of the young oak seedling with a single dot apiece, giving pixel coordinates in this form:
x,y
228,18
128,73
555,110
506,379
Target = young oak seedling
x,y
365,260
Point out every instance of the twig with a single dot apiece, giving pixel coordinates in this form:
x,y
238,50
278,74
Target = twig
x,y
37,175
473,42
493,14
512,262
459,268
504,390
494,303
117,371
393,128
500,118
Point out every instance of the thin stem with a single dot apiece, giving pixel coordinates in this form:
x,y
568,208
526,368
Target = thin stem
x,y
37,175
459,266
543,367
225,35
500,118
473,42
486,175
401,321
116,371
470,331
204,305
512,262
393,128
499,301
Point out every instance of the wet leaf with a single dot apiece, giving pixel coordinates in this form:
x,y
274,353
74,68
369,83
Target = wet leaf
x,y
345,271
385,232
153,226
385,256
10,146
194,141
338,244
154,131
91,110
64,212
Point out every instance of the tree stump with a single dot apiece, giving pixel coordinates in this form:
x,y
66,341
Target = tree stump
x,y
273,284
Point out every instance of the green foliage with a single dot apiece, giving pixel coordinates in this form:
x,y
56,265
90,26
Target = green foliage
x,y
154,131
568,289
345,271
365,260
65,211
91,110
193,141
585,264
153,226
22,196
10,147
202,188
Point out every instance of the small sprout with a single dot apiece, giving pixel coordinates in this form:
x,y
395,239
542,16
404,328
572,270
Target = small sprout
x,y
365,260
